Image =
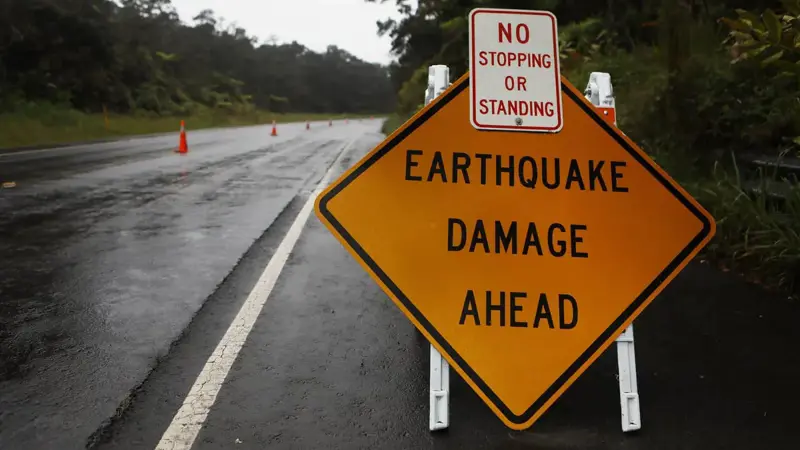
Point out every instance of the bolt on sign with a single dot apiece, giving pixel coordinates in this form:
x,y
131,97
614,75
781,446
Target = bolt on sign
x,y
516,80
520,256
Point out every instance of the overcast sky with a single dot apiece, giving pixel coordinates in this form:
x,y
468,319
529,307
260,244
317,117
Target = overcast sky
x,y
348,24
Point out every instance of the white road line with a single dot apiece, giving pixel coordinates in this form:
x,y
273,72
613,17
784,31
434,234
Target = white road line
x,y
182,432
28,152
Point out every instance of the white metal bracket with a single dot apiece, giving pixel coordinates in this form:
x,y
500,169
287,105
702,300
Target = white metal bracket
x,y
599,91
628,390
439,391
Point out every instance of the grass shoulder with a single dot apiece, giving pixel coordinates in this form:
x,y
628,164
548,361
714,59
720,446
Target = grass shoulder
x,y
53,126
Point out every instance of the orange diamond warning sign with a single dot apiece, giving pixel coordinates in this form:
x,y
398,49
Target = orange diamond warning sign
x,y
520,256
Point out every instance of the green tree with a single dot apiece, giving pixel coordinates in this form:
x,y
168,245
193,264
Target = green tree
x,y
137,55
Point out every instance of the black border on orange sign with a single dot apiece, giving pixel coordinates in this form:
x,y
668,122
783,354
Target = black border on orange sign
x,y
590,352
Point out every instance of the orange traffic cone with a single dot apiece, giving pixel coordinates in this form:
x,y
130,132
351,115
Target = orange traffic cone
x,y
183,146
274,129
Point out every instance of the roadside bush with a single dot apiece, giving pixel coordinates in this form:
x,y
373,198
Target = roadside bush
x,y
711,109
411,97
394,122
758,234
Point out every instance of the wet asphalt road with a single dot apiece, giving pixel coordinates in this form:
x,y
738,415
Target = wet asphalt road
x,y
109,250
330,362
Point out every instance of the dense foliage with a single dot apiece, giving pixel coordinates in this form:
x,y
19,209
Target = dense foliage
x,y
705,86
136,55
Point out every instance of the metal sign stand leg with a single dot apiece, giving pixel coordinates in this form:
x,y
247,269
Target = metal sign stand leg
x,y
600,93
438,81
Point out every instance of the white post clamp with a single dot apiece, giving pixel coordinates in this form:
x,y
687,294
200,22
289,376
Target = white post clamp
x,y
438,81
601,94
439,391
628,389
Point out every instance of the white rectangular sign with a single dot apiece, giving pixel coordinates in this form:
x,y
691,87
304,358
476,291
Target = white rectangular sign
x,y
515,81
